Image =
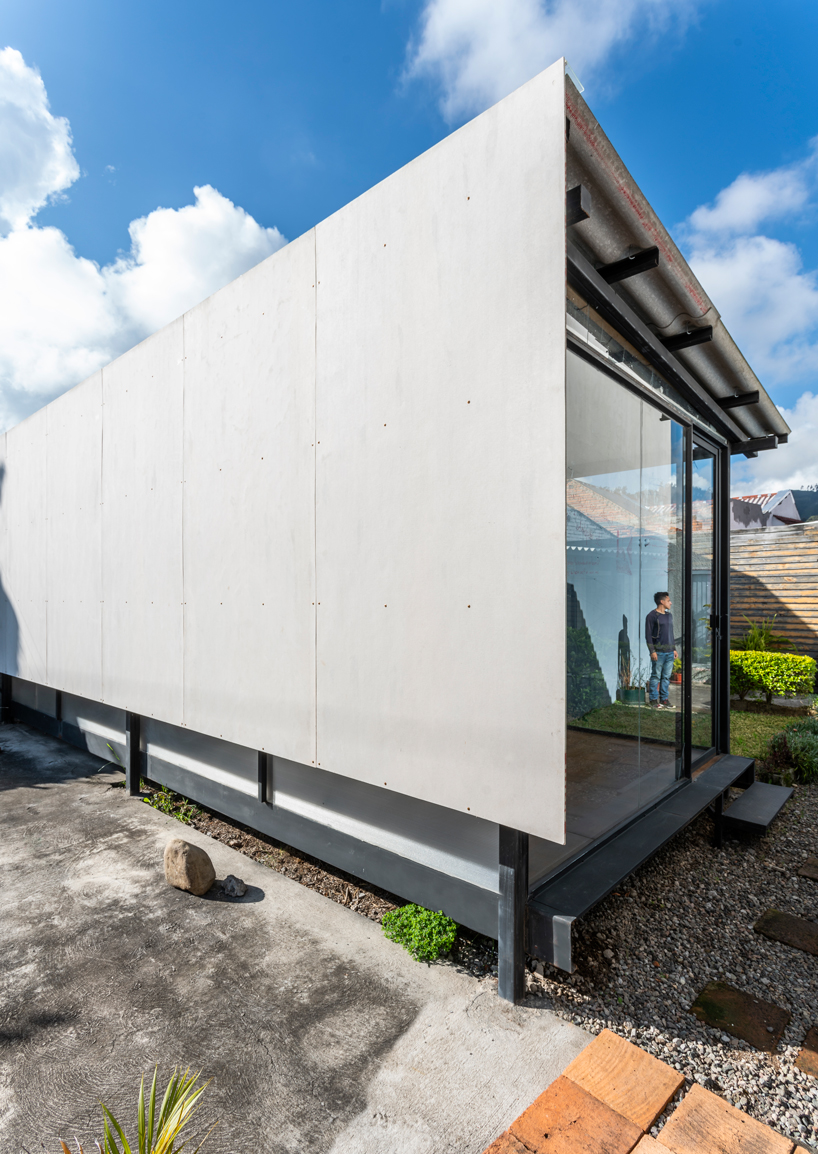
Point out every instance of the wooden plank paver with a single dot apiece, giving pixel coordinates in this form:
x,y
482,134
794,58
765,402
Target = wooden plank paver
x,y
648,1145
705,1124
790,930
629,1080
755,1021
566,1119
807,1059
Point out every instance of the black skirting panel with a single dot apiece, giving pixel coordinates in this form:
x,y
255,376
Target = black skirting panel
x,y
469,904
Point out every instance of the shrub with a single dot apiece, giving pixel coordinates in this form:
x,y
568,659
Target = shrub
x,y
777,674
794,751
759,636
425,934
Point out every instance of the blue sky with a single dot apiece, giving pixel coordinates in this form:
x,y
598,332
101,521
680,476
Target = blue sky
x,y
288,111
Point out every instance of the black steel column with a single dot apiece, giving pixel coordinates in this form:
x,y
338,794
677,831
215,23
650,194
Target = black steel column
x,y
512,914
133,753
6,715
721,735
58,710
265,778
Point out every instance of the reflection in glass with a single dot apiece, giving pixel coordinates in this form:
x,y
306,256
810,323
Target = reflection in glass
x,y
701,598
625,543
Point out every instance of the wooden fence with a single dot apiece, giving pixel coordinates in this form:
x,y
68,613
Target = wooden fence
x,y
775,571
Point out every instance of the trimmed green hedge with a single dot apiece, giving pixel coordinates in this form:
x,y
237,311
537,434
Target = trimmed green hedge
x,y
777,674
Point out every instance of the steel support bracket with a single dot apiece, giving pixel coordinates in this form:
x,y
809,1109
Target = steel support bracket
x,y
511,914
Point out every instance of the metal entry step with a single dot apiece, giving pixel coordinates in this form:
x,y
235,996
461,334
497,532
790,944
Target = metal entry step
x,y
756,808
569,893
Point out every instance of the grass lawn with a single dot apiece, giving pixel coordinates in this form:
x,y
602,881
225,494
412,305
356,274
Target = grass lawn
x,y
749,732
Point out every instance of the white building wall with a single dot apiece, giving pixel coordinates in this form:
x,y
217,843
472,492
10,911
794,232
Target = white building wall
x,y
367,553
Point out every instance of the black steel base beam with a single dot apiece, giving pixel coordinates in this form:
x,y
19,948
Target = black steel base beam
x,y
637,262
511,912
133,753
686,340
577,205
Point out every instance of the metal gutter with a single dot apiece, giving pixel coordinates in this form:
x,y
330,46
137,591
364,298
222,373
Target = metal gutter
x,y
668,299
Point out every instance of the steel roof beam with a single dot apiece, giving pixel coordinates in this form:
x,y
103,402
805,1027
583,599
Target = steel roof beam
x,y
577,205
697,336
646,258
754,446
586,280
739,399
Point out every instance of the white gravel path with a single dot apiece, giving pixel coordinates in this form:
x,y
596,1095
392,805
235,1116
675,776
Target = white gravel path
x,y
686,918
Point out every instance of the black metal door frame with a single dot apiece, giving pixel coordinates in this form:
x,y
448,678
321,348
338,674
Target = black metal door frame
x,y
720,601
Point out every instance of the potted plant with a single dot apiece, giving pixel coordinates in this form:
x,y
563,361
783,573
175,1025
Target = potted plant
x,y
676,675
632,691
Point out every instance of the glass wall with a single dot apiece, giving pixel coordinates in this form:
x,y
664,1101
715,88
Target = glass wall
x,y
625,612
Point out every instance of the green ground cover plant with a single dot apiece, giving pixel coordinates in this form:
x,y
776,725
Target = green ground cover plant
x,y
775,674
425,934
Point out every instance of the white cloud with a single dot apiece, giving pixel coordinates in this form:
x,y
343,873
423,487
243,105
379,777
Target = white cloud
x,y
36,161
755,197
768,300
63,316
478,51
790,466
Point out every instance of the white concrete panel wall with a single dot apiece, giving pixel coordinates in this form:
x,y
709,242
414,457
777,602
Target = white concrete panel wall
x,y
142,486
74,536
25,565
440,469
249,537
395,434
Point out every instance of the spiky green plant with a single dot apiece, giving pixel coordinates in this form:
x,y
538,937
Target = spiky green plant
x,y
156,1133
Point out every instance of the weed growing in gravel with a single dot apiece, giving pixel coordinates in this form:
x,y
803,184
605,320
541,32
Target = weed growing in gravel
x,y
424,933
172,804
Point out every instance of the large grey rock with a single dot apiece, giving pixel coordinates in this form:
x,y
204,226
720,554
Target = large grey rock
x,y
187,867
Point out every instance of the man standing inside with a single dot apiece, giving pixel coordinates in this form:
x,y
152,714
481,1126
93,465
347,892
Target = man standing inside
x,y
662,647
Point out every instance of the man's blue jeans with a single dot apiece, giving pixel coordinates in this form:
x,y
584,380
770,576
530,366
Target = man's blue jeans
x,y
660,671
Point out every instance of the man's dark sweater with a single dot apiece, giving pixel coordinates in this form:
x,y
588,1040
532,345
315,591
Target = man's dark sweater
x,y
659,632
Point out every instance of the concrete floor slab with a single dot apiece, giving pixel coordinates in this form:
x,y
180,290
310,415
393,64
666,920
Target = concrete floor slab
x,y
318,1033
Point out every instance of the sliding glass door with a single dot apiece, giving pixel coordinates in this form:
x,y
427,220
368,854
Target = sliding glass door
x,y
625,490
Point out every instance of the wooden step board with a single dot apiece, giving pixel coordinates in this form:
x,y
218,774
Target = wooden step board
x,y
756,808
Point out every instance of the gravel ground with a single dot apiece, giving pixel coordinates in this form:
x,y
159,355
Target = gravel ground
x,y
684,919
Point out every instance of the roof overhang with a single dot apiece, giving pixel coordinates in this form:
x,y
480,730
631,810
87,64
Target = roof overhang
x,y
667,299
